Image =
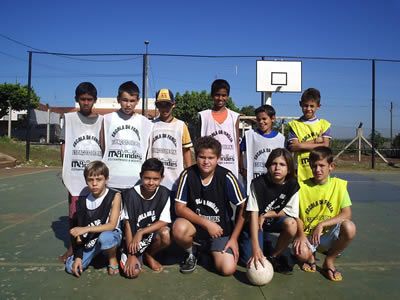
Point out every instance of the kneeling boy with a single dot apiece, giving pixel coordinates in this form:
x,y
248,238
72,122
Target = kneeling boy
x,y
98,216
202,202
325,212
147,214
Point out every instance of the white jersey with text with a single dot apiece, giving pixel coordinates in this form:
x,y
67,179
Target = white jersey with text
x,y
126,144
258,148
166,145
82,145
225,133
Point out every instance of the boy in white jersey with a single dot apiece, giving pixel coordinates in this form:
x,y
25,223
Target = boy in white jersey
x,y
170,140
97,226
147,214
80,144
125,139
222,124
325,213
308,132
259,143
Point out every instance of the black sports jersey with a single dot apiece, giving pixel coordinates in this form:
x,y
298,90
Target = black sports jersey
x,y
93,217
144,212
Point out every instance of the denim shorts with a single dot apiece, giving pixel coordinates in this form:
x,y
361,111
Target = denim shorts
x,y
327,239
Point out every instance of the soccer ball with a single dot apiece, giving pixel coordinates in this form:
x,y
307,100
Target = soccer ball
x,y
261,275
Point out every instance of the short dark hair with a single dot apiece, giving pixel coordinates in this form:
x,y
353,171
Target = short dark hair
x,y
220,84
277,152
96,168
85,88
311,94
268,109
152,164
320,153
129,87
207,142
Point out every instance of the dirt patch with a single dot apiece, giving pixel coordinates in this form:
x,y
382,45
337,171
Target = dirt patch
x,y
13,218
17,171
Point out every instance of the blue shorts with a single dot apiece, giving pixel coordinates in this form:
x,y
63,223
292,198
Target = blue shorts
x,y
213,245
327,239
245,249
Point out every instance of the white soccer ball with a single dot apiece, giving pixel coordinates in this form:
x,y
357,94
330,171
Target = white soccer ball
x,y
261,275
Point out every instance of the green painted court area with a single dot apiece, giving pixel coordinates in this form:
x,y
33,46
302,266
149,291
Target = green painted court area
x,y
33,232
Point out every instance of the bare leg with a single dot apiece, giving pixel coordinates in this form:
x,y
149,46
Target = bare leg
x,y
183,232
63,258
307,258
112,261
287,235
346,235
162,241
224,263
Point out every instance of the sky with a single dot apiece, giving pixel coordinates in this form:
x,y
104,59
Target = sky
x,y
335,29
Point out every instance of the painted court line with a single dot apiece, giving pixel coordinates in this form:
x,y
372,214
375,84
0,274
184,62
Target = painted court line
x,y
34,172
33,216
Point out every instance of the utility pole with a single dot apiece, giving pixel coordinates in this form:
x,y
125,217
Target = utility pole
x,y
391,124
9,118
48,124
145,81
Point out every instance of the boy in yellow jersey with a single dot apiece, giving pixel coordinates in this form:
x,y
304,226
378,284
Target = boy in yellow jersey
x,y
308,132
325,213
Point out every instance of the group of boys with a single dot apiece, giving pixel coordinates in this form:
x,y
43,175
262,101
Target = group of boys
x,y
109,180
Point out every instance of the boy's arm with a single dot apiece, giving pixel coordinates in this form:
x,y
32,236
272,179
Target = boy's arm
x,y
301,237
62,153
345,213
132,260
257,253
187,157
237,142
102,139
134,246
296,146
112,222
213,229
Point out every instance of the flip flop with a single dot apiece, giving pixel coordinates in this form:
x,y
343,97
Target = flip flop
x,y
113,269
310,270
325,272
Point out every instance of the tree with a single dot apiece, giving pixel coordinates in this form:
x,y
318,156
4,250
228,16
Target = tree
x,y
379,140
189,105
248,110
17,95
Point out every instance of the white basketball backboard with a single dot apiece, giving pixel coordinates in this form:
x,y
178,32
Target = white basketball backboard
x,y
279,76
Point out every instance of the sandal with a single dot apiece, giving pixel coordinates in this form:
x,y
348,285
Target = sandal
x,y
325,272
111,270
310,269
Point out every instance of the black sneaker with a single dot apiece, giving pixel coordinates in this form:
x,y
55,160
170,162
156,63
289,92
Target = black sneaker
x,y
274,262
189,264
284,266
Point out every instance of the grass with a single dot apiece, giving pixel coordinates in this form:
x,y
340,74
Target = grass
x,y
39,155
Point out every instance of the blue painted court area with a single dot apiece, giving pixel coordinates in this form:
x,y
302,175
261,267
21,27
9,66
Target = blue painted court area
x,y
33,232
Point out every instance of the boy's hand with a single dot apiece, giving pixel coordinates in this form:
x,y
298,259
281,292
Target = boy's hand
x,y
78,231
134,247
130,266
233,244
77,267
298,243
261,220
316,234
213,229
258,255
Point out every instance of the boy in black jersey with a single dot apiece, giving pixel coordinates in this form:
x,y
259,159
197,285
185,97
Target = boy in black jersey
x,y
202,202
97,216
146,213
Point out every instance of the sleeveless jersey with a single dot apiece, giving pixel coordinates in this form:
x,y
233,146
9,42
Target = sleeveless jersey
x,y
225,133
166,145
320,202
96,217
258,149
126,143
209,201
82,145
143,213
306,132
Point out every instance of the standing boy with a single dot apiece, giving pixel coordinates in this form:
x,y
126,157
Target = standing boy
x,y
147,214
203,204
259,143
125,138
170,140
80,137
325,213
222,124
98,216
308,132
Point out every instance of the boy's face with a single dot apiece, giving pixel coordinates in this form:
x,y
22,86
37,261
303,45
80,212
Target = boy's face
x,y
309,108
207,161
151,180
128,103
165,109
220,97
97,184
86,103
264,122
321,170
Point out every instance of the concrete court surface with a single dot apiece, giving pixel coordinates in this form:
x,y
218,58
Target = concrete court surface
x,y
33,232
